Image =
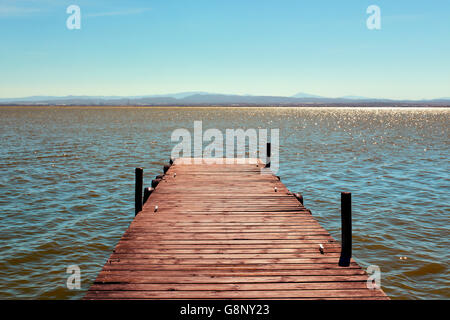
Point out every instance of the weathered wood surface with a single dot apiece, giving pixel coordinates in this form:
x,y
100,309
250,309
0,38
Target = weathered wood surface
x,y
222,232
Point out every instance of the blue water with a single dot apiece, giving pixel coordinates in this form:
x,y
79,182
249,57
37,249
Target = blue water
x,y
67,185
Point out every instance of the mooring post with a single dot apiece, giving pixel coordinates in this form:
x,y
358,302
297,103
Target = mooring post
x,y
147,192
155,182
299,197
166,168
268,154
138,190
346,229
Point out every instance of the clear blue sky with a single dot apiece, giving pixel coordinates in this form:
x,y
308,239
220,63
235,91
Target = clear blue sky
x,y
244,47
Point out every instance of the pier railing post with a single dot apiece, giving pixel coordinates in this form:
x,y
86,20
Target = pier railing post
x,y
166,168
138,190
346,229
299,197
147,192
268,154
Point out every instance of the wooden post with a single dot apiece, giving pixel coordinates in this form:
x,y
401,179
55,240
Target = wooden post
x,y
147,192
269,153
299,197
138,190
155,183
346,229
166,168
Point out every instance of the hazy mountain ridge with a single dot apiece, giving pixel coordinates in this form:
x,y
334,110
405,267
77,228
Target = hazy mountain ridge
x,y
205,98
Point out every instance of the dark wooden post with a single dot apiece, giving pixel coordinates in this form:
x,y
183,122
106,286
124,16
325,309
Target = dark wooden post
x,y
138,191
299,197
166,168
346,229
147,192
268,154
155,183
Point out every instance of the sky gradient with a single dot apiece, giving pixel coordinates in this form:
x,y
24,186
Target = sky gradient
x,y
237,47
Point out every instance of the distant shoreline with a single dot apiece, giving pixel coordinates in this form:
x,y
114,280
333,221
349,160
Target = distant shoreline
x,y
203,99
337,105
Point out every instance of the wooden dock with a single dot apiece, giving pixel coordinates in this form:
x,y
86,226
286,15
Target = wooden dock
x,y
222,231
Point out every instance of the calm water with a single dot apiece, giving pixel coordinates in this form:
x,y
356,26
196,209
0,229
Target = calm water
x,y
67,186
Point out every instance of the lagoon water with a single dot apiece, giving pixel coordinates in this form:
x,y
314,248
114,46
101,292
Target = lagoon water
x,y
67,185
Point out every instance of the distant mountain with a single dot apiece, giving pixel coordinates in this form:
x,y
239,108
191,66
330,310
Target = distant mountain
x,y
305,95
205,98
54,98
180,95
355,98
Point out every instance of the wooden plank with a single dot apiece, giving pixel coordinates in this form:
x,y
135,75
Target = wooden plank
x,y
177,286
220,255
234,294
249,272
230,279
222,232
223,251
248,266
